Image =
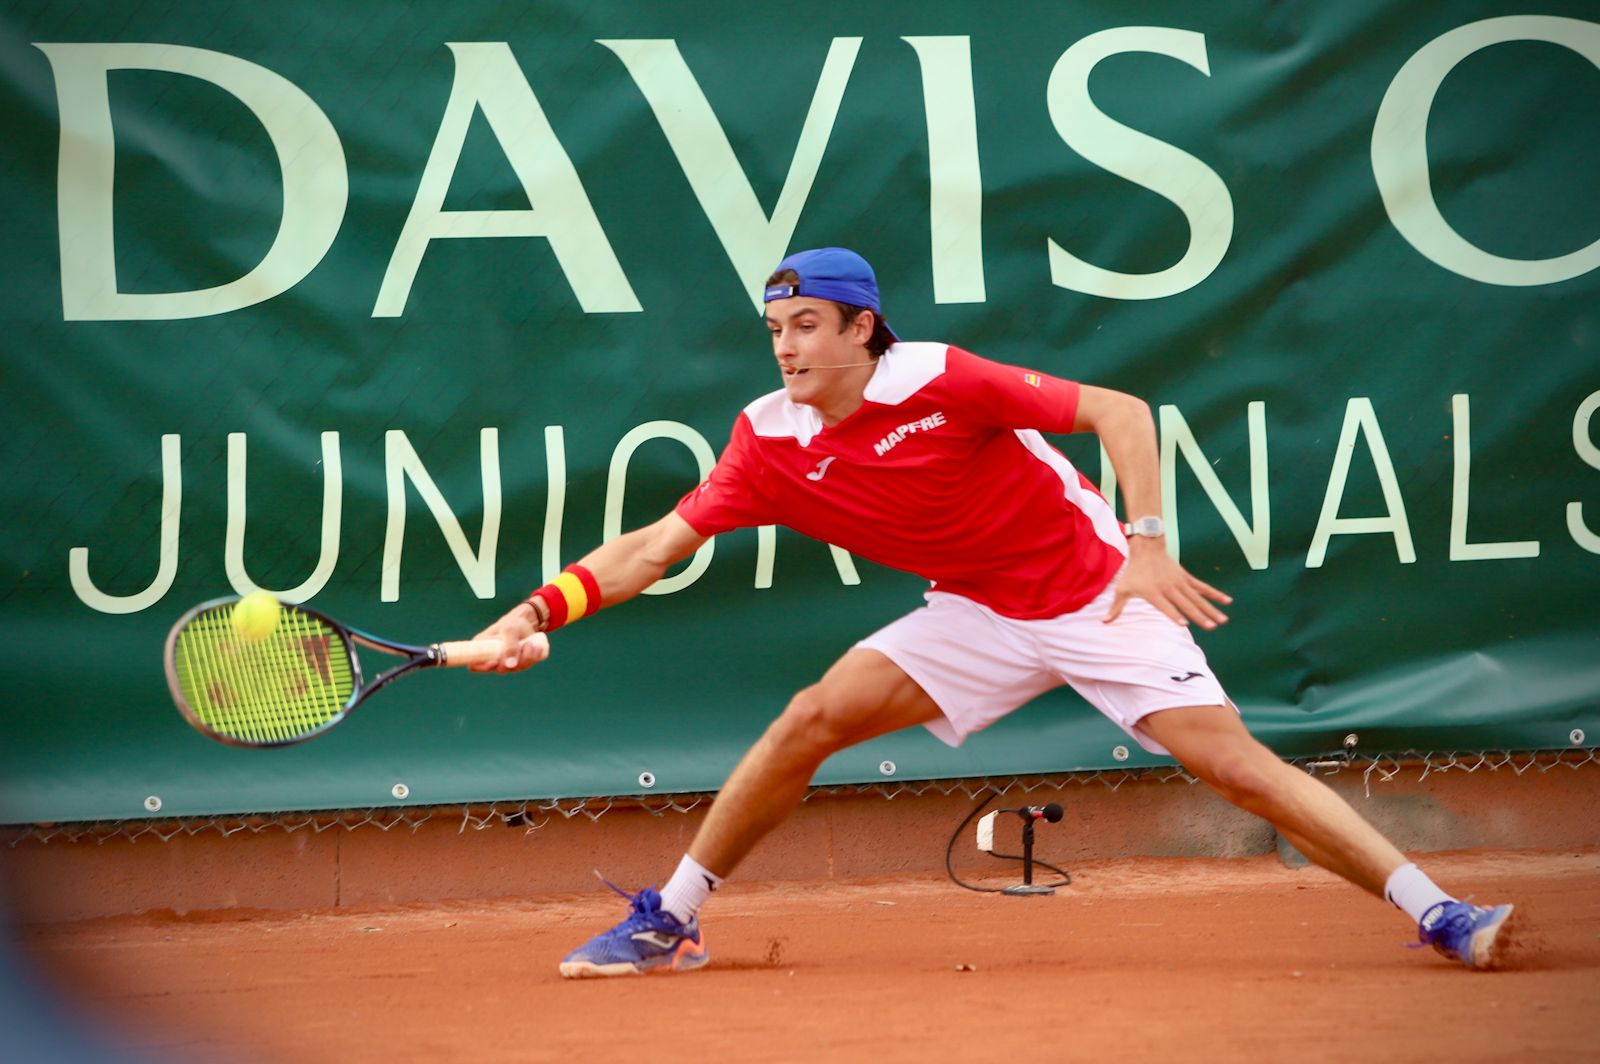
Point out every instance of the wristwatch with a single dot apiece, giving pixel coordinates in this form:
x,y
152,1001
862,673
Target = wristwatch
x,y
1145,526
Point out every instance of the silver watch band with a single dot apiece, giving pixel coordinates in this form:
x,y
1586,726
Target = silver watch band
x,y
1152,527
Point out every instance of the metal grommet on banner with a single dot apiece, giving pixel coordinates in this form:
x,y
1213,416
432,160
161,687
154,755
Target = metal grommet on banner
x,y
1576,735
400,791
153,803
647,779
1119,753
886,768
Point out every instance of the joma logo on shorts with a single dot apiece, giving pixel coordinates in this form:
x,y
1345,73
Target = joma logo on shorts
x,y
932,421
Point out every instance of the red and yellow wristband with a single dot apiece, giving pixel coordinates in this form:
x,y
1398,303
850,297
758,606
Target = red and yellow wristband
x,y
569,597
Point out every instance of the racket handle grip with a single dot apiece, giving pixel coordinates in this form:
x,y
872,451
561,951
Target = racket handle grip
x,y
471,652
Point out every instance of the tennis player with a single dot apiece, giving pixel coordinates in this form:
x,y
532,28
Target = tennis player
x,y
930,459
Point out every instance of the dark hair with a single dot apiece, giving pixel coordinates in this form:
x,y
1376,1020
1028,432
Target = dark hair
x,y
881,337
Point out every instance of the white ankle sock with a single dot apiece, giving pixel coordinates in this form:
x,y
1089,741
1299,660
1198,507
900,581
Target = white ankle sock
x,y
689,888
1409,889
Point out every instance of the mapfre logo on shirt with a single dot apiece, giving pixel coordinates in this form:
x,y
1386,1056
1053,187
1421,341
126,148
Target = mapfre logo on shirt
x,y
926,424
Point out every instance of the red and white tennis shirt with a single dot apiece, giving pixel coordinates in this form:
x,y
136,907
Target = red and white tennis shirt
x,y
942,472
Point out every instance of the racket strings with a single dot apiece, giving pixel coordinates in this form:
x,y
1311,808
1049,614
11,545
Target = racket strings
x,y
281,688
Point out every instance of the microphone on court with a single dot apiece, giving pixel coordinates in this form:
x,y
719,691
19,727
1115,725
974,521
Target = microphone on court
x,y
1051,812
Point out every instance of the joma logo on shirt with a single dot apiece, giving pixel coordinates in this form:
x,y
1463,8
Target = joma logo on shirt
x,y
932,421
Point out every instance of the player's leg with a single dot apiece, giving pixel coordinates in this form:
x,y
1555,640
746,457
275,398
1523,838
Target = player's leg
x,y
1212,743
862,696
952,665
1135,669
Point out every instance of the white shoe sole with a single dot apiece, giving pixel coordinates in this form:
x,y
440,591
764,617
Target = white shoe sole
x,y
686,962
586,970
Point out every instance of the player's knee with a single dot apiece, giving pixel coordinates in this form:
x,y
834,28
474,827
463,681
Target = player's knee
x,y
1244,774
812,722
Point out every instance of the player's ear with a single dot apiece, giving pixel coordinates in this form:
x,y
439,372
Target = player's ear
x,y
861,327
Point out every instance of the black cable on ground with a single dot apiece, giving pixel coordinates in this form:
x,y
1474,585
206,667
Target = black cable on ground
x,y
949,867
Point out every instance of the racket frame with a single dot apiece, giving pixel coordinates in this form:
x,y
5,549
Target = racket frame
x,y
418,657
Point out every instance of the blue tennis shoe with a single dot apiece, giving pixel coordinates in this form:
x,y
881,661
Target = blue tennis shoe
x,y
1475,936
649,940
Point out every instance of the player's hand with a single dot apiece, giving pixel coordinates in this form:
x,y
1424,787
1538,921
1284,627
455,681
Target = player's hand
x,y
523,646
1152,575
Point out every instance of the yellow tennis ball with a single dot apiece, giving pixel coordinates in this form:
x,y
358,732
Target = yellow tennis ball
x,y
255,616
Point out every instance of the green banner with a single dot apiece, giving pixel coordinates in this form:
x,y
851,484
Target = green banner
x,y
394,309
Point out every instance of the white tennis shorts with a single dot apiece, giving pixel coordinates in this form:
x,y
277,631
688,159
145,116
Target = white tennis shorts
x,y
979,666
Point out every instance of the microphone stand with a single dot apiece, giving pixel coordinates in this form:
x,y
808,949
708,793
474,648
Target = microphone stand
x,y
1027,888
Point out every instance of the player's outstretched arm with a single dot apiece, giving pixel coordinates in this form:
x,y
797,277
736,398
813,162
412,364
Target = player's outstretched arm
x,y
621,568
1128,432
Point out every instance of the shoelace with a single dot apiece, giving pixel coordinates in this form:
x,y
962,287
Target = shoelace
x,y
620,892
642,916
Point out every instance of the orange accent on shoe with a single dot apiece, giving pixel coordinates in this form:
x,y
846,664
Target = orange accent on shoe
x,y
688,947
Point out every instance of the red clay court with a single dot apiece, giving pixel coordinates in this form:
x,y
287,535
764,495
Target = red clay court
x,y
1141,958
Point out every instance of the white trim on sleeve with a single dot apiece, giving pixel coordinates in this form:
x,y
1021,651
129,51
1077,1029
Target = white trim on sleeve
x,y
775,417
1091,503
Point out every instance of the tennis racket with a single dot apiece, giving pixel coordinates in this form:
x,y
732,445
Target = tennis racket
x,y
291,683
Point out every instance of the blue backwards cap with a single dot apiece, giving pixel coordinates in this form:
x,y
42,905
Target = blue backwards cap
x,y
838,274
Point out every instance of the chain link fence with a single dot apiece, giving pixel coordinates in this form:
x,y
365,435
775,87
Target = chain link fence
x,y
533,814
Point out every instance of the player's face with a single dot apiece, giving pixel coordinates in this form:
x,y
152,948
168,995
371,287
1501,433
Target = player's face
x,y
817,358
